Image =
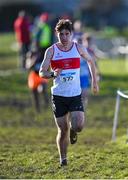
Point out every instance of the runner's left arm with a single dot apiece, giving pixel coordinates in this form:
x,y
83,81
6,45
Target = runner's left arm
x,y
88,58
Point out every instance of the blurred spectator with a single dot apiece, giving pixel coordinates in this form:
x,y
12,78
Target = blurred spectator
x,y
77,30
84,69
85,75
42,35
87,42
36,84
23,35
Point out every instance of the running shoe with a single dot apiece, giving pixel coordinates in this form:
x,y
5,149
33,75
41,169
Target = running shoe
x,y
63,162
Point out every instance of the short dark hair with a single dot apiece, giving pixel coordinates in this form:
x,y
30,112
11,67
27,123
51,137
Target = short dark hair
x,y
64,24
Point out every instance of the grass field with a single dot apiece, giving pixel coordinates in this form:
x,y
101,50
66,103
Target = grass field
x,y
27,139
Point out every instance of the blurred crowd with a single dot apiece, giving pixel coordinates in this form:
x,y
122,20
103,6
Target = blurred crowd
x,y
33,39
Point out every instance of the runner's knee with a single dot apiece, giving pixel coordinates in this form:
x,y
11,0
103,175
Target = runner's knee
x,y
77,124
63,133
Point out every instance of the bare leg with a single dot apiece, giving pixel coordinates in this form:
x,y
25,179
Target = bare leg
x,y
62,138
77,120
76,125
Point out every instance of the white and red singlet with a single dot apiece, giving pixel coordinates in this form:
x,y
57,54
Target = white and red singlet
x,y
67,84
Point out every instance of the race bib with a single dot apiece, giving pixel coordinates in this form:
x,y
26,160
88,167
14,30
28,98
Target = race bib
x,y
66,77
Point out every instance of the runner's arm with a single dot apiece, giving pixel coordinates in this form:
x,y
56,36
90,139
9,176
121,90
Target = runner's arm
x,y
88,58
44,68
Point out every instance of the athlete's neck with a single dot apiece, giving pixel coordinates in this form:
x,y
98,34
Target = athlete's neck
x,y
65,47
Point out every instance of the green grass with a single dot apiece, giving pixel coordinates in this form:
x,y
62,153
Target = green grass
x,y
27,139
117,67
29,153
8,52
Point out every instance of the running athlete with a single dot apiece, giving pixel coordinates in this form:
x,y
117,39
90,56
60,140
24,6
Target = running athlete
x,y
64,59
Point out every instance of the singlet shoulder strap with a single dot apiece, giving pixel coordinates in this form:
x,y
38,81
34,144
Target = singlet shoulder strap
x,y
76,45
53,49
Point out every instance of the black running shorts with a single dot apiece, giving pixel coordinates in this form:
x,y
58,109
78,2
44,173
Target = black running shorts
x,y
62,105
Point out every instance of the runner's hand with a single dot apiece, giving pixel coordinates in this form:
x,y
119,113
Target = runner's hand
x,y
95,88
57,72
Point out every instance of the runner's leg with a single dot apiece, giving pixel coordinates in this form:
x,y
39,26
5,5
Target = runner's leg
x,y
62,139
77,120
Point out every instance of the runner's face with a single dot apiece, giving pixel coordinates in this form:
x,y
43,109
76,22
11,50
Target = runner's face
x,y
64,36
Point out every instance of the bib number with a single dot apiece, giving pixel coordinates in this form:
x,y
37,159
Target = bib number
x,y
67,77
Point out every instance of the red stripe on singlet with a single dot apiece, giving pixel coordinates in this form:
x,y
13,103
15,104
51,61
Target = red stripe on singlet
x,y
69,63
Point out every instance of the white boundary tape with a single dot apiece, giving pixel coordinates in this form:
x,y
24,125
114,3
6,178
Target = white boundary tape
x,y
122,94
117,106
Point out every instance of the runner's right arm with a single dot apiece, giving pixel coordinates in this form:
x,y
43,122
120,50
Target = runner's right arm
x,y
44,68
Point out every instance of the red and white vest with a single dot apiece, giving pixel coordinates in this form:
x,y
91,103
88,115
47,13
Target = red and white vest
x,y
67,84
